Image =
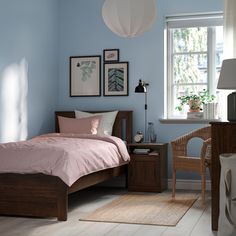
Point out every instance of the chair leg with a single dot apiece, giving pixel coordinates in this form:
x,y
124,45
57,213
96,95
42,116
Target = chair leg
x,y
203,175
173,182
210,171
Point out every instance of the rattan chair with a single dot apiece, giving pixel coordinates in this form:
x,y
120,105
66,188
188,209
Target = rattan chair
x,y
195,164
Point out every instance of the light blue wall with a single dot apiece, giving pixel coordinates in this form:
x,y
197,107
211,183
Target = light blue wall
x,y
82,32
45,33
29,33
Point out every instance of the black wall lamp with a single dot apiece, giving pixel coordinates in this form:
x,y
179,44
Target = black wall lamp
x,y
142,88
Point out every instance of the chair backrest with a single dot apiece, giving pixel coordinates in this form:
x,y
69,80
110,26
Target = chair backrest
x,y
179,145
203,133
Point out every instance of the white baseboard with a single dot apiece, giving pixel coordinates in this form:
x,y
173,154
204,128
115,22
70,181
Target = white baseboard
x,y
180,183
189,184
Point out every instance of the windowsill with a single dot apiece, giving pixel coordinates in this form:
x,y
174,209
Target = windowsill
x,y
186,121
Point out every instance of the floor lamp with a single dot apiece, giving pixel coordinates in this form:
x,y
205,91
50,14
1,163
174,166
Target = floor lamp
x,y
142,88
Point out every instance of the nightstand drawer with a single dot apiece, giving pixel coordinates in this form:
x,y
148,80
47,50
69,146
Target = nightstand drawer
x,y
143,174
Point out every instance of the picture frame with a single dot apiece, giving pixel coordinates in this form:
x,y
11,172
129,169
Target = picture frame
x,y
111,55
85,76
116,79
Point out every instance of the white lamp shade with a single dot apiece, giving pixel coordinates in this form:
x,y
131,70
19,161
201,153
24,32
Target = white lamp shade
x,y
227,79
129,18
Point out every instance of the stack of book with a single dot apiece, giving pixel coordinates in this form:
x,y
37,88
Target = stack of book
x,y
195,115
154,153
141,150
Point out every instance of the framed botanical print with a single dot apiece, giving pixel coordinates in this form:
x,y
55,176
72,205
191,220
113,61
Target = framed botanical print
x,y
85,76
111,55
116,79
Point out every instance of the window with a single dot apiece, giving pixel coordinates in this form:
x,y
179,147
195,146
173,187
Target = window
x,y
194,57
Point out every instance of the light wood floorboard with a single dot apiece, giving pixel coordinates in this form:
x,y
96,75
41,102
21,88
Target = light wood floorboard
x,y
150,230
196,222
124,229
203,226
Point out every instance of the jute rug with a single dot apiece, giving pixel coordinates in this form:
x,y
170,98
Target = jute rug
x,y
144,208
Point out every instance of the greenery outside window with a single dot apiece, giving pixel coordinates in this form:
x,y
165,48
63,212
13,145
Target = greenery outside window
x,y
194,57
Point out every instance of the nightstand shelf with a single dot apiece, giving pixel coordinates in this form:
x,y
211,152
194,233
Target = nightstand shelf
x,y
148,171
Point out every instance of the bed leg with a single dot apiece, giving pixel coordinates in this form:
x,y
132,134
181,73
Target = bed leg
x,y
126,178
62,208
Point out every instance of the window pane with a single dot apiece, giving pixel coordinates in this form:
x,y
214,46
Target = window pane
x,y
219,50
190,68
190,39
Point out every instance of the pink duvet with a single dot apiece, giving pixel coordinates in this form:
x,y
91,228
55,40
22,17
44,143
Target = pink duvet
x,y
67,156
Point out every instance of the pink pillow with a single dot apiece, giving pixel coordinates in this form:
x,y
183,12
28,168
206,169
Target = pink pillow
x,y
88,125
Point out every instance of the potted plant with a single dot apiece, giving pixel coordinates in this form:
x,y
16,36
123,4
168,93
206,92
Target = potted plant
x,y
195,100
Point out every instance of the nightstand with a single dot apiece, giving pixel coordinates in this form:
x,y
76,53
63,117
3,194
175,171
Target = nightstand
x,y
147,171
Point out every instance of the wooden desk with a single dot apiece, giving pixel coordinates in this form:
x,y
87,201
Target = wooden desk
x,y
223,141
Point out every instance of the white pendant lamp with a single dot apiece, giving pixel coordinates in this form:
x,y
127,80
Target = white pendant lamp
x,y
129,18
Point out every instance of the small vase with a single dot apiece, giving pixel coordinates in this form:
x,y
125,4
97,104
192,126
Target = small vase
x,y
151,136
210,111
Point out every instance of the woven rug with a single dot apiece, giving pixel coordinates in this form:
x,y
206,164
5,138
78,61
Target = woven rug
x,y
144,208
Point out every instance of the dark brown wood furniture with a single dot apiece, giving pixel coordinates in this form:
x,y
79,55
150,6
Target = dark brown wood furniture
x,y
148,172
223,141
47,196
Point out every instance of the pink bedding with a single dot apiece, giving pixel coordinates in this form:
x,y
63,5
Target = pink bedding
x,y
68,156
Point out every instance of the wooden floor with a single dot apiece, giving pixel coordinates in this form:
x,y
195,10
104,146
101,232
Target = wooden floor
x,y
195,222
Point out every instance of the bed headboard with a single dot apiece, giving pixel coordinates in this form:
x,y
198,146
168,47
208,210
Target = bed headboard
x,y
122,127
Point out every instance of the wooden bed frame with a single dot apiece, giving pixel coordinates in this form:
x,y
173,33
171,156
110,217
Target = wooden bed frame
x,y
41,195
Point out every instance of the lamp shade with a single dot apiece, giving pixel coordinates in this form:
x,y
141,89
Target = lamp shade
x,y
129,18
141,88
227,79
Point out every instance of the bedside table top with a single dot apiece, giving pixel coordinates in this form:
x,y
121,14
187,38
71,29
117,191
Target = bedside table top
x,y
143,145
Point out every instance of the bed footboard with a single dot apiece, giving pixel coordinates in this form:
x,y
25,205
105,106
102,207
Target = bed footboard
x,y
33,195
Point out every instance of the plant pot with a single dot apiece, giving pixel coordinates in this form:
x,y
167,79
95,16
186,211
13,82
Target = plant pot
x,y
194,105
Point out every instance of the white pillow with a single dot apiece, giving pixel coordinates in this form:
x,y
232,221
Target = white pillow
x,y
106,123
